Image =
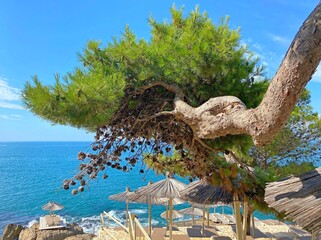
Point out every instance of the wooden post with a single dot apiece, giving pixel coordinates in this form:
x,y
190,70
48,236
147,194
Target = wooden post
x,y
237,217
203,225
245,213
193,222
127,213
167,217
208,217
149,216
170,218
132,227
253,226
127,217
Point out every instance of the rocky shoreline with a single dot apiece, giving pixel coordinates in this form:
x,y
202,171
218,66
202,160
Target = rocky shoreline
x,y
71,232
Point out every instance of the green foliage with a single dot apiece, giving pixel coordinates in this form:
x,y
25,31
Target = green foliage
x,y
107,92
299,141
204,60
295,150
292,169
167,163
85,99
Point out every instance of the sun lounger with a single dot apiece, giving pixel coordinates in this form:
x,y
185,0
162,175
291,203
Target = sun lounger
x,y
213,218
258,222
230,218
221,218
297,231
194,232
51,222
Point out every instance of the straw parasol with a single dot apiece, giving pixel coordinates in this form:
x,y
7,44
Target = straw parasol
x,y
194,211
175,214
150,200
168,188
52,206
202,192
123,197
299,198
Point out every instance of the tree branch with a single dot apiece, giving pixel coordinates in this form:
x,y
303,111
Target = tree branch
x,y
169,87
222,116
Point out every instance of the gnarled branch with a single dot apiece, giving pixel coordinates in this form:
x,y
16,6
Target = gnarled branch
x,y
227,115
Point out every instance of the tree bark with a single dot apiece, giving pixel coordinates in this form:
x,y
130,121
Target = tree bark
x,y
228,115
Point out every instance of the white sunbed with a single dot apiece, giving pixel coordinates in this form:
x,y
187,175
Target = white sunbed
x,y
230,218
51,222
221,218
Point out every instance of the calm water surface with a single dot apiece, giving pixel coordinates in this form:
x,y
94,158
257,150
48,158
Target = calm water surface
x,y
32,174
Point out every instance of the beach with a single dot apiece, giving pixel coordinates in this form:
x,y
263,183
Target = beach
x,y
265,229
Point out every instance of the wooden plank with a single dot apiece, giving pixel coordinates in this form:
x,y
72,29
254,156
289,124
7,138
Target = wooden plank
x,y
116,221
141,228
237,217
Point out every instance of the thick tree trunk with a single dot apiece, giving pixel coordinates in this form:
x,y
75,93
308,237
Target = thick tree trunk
x,y
228,115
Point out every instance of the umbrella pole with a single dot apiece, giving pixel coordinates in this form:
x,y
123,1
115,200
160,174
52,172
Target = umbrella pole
x,y
245,213
253,226
193,222
149,216
170,218
127,214
222,209
237,217
166,217
208,218
203,226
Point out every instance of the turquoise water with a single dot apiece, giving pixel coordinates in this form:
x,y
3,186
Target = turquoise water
x,y
32,174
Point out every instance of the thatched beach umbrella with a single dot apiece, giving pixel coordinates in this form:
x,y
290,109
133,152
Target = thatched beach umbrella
x,y
202,192
175,214
207,207
299,198
52,206
193,211
138,198
123,197
168,188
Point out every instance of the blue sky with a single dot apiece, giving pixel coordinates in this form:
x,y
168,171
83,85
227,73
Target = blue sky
x,y
44,37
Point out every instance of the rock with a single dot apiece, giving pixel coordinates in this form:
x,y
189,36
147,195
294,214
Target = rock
x,y
85,236
11,232
34,233
29,233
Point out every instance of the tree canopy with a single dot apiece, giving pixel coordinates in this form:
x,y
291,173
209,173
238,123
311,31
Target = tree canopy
x,y
199,58
187,88
120,89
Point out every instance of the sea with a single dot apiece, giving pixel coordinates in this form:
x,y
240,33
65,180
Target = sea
x,y
32,174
